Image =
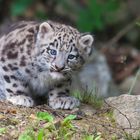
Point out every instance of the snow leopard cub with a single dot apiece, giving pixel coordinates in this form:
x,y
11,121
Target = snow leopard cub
x,y
37,61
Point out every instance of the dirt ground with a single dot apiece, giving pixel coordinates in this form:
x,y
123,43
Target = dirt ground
x,y
16,120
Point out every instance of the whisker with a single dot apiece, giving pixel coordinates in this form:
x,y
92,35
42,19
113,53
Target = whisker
x,y
52,68
65,70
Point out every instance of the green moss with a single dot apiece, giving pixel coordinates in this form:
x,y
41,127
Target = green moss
x,y
110,115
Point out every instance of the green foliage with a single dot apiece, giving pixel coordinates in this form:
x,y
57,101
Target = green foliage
x,y
92,137
2,130
45,116
63,130
40,134
41,15
138,23
67,129
18,7
113,138
96,15
27,135
110,115
68,119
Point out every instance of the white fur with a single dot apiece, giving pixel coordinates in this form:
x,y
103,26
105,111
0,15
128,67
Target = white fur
x,y
86,40
62,102
21,100
56,75
45,80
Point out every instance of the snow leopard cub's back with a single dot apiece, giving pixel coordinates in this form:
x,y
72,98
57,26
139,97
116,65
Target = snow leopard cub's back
x,y
36,57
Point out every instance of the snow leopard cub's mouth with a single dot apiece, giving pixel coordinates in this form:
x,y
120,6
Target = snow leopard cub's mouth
x,y
56,75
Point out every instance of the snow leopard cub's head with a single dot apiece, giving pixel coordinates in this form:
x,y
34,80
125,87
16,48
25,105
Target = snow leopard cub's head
x,y
61,48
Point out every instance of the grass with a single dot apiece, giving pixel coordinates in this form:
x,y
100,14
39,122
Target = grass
x,y
2,130
110,115
96,136
134,82
90,98
131,137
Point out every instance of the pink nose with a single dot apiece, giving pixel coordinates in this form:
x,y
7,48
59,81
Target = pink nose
x,y
59,68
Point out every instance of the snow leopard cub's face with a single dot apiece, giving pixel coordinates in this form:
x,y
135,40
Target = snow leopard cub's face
x,y
61,49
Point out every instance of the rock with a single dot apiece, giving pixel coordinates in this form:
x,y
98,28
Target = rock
x,y
126,112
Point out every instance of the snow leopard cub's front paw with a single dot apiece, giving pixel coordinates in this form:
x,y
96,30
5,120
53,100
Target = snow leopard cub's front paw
x,y
21,100
60,100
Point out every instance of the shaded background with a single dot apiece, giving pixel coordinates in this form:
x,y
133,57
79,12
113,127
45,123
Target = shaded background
x,y
114,23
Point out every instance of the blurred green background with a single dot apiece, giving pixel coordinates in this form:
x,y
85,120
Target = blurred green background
x,y
104,18
114,24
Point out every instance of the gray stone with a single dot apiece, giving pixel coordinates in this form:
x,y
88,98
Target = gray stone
x,y
126,112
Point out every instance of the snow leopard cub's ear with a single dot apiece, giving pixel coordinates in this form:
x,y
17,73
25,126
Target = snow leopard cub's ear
x,y
86,41
44,29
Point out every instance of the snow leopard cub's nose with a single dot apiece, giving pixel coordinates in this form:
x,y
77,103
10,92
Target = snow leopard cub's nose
x,y
59,67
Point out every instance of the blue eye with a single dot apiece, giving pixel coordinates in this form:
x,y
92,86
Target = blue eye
x,y
71,56
53,52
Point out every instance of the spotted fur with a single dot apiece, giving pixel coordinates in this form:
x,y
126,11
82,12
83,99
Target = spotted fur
x,y
38,59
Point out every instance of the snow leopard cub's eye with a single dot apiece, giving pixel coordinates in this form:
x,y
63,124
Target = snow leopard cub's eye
x,y
52,52
71,56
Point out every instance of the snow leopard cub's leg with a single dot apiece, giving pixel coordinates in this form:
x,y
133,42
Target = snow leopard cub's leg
x,y
21,100
14,90
18,92
2,85
59,98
